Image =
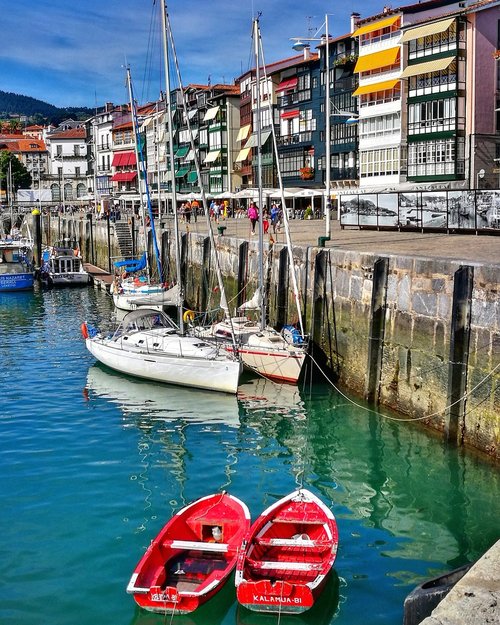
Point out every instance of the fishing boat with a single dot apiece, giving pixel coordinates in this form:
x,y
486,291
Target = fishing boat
x,y
192,557
279,356
147,344
16,264
62,265
287,555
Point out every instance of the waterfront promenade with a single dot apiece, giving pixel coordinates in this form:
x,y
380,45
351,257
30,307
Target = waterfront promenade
x,y
460,247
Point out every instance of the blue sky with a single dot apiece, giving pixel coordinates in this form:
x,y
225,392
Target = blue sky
x,y
72,52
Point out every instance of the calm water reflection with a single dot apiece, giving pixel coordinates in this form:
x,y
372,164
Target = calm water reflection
x,y
93,463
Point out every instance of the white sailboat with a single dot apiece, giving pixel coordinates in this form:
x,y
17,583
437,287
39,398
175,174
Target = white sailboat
x,y
264,350
149,345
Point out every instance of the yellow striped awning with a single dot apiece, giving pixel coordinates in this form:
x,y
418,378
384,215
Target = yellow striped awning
x,y
376,86
242,155
370,28
212,156
426,29
243,133
427,68
211,113
377,60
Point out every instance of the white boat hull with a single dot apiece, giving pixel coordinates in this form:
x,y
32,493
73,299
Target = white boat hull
x,y
280,365
264,352
156,298
68,279
216,375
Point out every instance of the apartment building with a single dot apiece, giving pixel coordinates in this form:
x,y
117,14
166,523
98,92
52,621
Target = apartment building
x,y
211,122
68,151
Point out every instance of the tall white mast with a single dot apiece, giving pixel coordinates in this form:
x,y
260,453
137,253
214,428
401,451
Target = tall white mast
x,y
170,136
263,303
140,181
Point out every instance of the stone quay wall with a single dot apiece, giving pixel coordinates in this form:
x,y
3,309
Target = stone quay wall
x,y
417,336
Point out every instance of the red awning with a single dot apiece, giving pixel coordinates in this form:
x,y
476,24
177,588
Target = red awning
x,y
128,159
290,114
123,159
124,176
117,160
290,83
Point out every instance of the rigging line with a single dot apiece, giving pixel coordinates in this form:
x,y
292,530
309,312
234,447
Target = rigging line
x,y
293,275
204,202
151,44
409,420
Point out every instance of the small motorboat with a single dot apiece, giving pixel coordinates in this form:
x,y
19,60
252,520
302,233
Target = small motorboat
x,y
192,556
62,265
287,555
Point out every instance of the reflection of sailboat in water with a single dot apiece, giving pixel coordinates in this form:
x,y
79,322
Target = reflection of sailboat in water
x,y
261,396
138,398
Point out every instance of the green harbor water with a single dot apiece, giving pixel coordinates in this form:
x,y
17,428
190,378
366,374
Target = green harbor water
x,y
94,463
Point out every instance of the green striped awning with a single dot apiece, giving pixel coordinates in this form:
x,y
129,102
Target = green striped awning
x,y
182,151
192,176
180,173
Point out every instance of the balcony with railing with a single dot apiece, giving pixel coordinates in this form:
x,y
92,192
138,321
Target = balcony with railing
x,y
436,44
437,82
426,126
295,138
294,98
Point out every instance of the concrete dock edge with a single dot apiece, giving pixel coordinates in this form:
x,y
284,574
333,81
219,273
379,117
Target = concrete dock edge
x,y
475,599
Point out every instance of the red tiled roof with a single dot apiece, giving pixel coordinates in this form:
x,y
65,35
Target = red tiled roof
x,y
72,133
22,144
123,125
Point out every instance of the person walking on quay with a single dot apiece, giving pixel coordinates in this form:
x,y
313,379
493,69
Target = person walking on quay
x,y
195,209
275,211
253,215
188,208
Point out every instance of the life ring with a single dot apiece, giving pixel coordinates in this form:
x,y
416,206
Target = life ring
x,y
188,316
85,331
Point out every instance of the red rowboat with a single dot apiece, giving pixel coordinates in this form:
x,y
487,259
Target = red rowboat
x,y
192,556
287,554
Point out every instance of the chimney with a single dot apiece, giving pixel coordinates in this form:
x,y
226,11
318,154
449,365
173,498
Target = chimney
x,y
307,53
354,21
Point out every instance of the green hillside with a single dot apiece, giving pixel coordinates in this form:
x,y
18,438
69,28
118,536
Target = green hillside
x,y
13,105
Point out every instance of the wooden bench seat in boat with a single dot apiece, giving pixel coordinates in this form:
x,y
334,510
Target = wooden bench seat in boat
x,y
285,566
196,545
292,542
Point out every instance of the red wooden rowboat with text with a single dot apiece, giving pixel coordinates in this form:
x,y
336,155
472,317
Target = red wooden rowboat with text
x,y
287,555
192,556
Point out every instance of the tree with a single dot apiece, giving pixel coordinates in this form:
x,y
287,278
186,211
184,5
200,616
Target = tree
x,y
20,176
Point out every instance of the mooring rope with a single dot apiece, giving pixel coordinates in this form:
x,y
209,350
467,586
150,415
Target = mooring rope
x,y
410,419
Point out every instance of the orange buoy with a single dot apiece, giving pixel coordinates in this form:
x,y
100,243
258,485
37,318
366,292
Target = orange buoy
x,y
84,329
